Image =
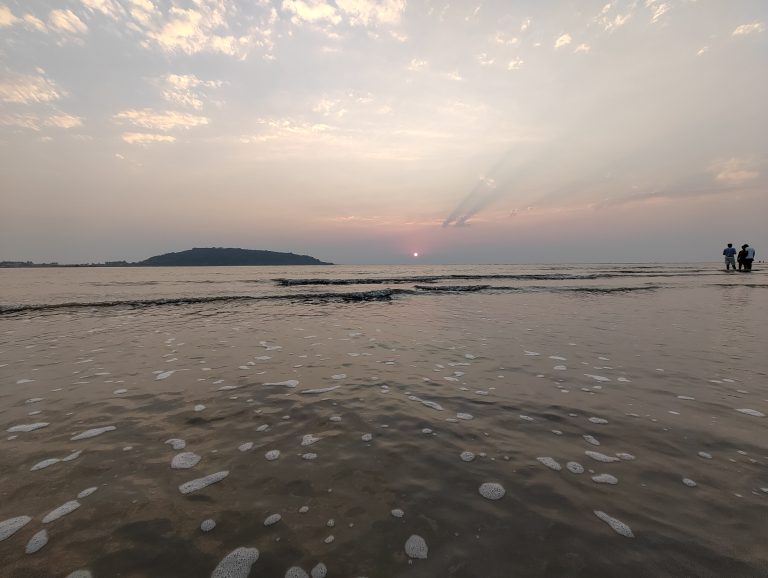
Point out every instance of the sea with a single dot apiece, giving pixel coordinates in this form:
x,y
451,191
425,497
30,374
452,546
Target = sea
x,y
598,420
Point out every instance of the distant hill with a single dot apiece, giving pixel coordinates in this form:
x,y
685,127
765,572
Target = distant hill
x,y
218,256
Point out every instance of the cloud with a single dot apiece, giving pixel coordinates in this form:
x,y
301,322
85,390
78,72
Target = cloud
x,y
368,12
702,50
417,65
657,10
29,121
582,48
155,120
515,64
484,60
146,138
23,89
311,11
67,22
185,89
505,39
64,121
106,7
610,21
6,17
525,25
746,29
35,122
563,40
34,23
734,171
287,128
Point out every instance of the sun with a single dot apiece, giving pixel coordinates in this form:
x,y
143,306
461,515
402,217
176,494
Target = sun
x,y
415,254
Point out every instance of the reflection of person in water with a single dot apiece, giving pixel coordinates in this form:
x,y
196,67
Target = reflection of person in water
x,y
749,256
740,256
730,257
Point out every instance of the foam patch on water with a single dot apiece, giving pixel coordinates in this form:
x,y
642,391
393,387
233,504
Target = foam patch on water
x,y
87,492
12,525
526,418
320,389
34,400
550,463
616,525
319,571
335,418
296,572
164,375
467,456
80,574
309,456
591,440
236,564
492,491
245,447
397,513
430,404
597,377
199,407
92,433
466,416
272,455
601,457
272,519
366,437
208,525
747,411
61,511
705,455
625,456
27,427
605,479
598,420
416,547
689,482
176,443
37,542
200,483
288,383
44,464
309,439
426,431
575,467
185,461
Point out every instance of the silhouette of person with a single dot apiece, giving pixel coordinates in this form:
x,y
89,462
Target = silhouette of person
x,y
748,258
740,256
730,257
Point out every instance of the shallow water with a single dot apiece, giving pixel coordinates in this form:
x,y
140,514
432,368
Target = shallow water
x,y
511,375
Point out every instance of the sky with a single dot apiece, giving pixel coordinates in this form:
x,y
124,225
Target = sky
x,y
364,131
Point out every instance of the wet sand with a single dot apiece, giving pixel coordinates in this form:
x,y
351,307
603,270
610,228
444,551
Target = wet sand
x,y
657,379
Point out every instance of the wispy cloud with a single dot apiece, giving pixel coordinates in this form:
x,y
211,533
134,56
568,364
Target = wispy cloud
x,y
610,19
146,138
36,122
187,90
515,64
7,17
582,48
66,22
369,12
734,171
563,40
657,9
417,64
311,11
64,121
159,120
752,28
25,89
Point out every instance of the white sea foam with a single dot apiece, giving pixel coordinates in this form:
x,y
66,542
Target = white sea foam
x,y
164,375
262,427
61,511
335,418
236,564
601,457
12,525
309,439
605,479
591,440
339,376
575,467
176,443
598,420
597,377
185,461
37,542
80,574
467,456
686,397
34,400
397,513
319,571
92,433
199,407
492,491
366,437
430,404
296,572
303,509
87,492
465,416
526,418
272,519
309,456
272,455
416,547
320,389
44,464
200,483
616,525
208,525
689,482
245,447
426,430
625,456
27,427
550,463
705,455
287,383
747,411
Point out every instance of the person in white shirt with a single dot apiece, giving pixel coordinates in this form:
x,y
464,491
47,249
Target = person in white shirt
x,y
748,258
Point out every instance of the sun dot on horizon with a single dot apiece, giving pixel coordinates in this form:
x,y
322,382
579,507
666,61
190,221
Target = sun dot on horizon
x,y
415,254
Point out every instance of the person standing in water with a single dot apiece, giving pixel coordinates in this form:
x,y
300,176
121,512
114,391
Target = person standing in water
x,y
748,258
730,257
740,256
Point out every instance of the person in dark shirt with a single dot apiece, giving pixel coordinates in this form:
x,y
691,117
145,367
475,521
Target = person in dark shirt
x,y
740,256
